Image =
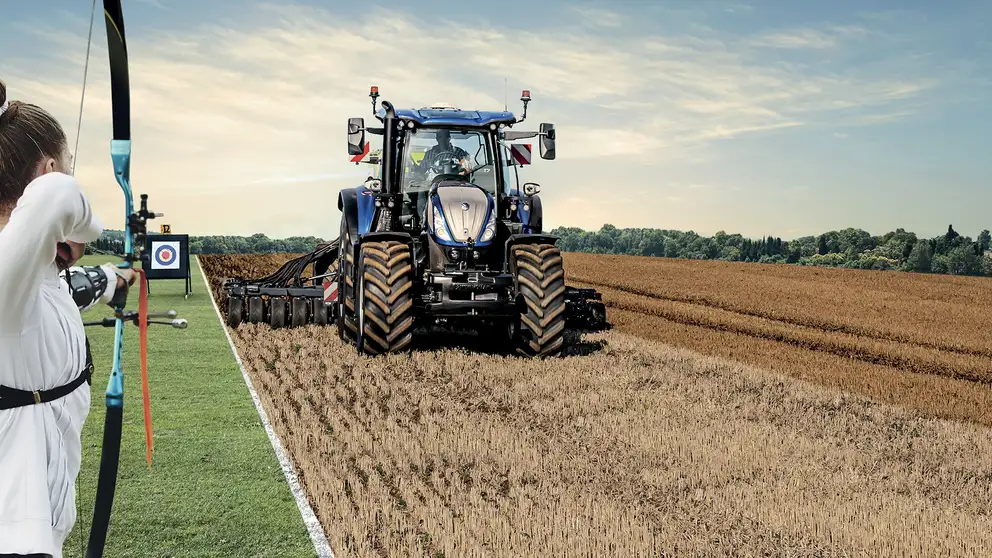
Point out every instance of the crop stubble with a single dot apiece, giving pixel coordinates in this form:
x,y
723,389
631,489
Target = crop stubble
x,y
633,449
920,341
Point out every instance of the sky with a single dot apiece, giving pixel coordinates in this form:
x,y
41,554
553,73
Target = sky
x,y
762,117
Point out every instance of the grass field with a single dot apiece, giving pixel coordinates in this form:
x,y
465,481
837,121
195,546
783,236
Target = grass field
x,y
216,487
838,442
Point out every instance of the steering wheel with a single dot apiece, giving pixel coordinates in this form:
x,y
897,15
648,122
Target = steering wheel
x,y
444,158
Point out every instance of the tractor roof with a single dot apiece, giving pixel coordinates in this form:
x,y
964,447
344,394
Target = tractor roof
x,y
450,116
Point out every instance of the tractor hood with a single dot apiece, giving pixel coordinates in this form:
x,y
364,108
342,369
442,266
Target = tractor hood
x,y
461,213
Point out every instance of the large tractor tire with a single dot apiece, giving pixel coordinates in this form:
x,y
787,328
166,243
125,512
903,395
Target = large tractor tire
x,y
385,297
346,319
541,286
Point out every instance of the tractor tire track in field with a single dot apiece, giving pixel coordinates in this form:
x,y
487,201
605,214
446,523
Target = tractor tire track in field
x,y
907,356
807,322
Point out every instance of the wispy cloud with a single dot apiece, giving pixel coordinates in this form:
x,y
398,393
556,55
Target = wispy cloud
x,y
600,17
809,38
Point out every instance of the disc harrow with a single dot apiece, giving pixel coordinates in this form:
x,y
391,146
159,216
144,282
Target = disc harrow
x,y
287,297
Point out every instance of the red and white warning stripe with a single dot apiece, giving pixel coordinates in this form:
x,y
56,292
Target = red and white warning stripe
x,y
520,152
330,291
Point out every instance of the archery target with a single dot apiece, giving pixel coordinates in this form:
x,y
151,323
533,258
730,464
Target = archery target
x,y
165,254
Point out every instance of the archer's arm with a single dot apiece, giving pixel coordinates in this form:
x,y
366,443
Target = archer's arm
x,y
90,285
52,209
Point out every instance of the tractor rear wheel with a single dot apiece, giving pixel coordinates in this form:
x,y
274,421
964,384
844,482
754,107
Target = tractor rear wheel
x,y
277,312
541,286
235,310
385,297
256,310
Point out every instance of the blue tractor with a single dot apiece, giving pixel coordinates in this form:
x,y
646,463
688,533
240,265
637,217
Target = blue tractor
x,y
440,233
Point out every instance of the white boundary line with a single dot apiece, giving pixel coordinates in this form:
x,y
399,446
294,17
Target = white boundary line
x,y
317,535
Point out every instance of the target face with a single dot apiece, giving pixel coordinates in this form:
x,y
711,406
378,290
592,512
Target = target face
x,y
165,255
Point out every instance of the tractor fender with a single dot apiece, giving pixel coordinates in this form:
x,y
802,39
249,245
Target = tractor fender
x,y
535,221
358,207
348,206
533,218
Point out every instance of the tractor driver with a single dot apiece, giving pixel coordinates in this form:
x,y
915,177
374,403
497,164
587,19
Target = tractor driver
x,y
432,158
443,146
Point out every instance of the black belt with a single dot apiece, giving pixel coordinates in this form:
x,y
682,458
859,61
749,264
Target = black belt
x,y
11,398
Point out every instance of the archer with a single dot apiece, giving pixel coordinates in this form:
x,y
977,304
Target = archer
x,y
45,221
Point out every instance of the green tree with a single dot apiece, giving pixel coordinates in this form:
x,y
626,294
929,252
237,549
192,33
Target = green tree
x,y
984,240
821,245
962,260
920,258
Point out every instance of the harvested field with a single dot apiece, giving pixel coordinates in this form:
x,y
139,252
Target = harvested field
x,y
627,447
920,341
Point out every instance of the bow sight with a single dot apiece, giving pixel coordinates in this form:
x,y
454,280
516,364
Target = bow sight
x,y
138,223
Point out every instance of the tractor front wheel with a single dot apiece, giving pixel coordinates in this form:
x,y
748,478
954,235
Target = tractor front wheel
x,y
540,275
385,297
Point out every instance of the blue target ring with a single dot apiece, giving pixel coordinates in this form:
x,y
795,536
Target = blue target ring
x,y
165,255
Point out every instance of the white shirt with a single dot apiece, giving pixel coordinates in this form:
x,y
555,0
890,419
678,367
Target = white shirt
x,y
42,346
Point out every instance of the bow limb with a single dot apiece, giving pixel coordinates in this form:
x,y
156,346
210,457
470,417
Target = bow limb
x,y
120,152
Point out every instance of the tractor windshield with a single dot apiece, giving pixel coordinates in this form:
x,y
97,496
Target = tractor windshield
x,y
431,155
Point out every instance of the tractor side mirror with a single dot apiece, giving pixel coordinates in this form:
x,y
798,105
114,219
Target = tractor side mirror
x,y
356,136
531,189
547,141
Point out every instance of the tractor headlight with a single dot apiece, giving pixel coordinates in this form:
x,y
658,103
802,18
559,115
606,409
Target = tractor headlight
x,y
440,229
489,232
374,185
531,189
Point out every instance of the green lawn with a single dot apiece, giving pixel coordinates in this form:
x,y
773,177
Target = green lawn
x,y
215,488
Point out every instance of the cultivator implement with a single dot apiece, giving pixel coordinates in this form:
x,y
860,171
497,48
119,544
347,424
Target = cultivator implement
x,y
286,297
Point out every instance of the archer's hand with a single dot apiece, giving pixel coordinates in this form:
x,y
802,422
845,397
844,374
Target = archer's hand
x,y
125,276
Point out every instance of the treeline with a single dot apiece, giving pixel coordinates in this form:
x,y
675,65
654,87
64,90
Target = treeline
x,y
949,253
255,244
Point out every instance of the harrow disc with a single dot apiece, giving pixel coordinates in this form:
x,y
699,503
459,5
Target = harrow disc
x,y
277,312
235,310
320,312
299,311
256,310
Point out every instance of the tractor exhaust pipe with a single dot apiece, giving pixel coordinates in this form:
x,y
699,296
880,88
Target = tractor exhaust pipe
x,y
390,187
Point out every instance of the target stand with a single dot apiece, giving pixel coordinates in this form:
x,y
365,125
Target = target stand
x,y
167,257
